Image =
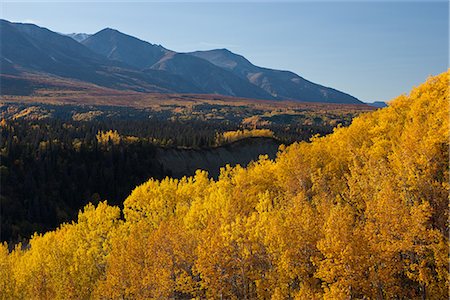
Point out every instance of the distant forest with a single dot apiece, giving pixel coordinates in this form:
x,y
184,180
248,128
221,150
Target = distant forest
x,y
56,159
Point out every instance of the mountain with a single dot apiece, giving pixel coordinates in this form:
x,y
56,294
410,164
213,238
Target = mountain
x,y
30,49
122,47
210,78
79,37
379,104
282,85
119,61
28,46
207,77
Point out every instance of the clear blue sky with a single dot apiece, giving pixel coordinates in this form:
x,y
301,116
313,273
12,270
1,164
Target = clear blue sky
x,y
372,50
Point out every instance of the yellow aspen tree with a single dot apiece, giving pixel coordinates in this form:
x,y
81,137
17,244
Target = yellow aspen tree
x,y
6,275
344,263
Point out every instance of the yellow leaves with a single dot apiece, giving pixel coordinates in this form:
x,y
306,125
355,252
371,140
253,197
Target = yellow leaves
x,y
232,260
153,201
113,137
148,264
68,262
400,240
290,237
6,276
110,136
156,201
344,254
232,136
361,213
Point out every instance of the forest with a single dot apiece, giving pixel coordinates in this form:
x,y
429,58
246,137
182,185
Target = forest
x,y
361,213
55,159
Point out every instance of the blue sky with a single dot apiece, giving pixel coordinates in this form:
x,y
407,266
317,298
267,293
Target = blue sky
x,y
372,50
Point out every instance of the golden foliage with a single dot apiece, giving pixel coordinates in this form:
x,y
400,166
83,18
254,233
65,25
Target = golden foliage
x,y
232,136
361,213
110,136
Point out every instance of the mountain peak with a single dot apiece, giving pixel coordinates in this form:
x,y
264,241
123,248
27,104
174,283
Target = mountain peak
x,y
79,37
110,30
223,50
122,47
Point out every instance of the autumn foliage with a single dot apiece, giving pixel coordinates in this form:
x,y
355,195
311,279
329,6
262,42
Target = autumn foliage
x,y
232,136
358,214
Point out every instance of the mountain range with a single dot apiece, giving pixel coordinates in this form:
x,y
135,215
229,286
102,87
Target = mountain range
x,y
112,59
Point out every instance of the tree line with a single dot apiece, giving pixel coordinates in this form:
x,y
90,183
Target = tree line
x,y
52,167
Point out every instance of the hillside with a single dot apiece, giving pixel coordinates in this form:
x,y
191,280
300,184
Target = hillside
x,y
209,78
360,213
182,162
279,84
121,47
114,60
31,51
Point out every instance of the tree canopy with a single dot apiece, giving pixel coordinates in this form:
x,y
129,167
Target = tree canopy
x,y
360,213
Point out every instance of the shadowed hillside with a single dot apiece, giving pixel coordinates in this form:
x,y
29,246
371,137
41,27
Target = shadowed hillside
x,y
179,162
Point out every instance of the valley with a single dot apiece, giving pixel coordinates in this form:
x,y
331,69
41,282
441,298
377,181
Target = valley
x,y
58,155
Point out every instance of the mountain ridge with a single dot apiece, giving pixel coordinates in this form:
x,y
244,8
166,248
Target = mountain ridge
x,y
119,46
113,59
32,49
278,83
